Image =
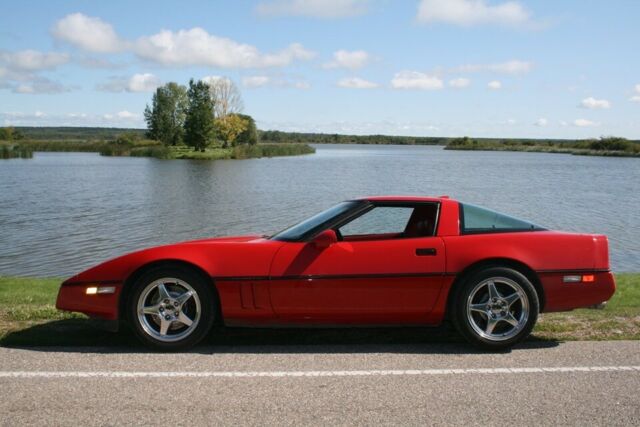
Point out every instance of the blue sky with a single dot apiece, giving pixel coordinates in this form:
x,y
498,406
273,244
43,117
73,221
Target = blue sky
x,y
566,69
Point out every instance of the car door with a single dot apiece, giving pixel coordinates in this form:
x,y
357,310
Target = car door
x,y
382,271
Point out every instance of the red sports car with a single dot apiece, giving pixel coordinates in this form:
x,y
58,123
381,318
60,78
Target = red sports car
x,y
372,261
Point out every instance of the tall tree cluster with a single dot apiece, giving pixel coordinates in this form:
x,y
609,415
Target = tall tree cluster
x,y
198,125
200,114
166,116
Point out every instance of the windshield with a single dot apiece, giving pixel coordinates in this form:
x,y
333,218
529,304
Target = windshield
x,y
314,223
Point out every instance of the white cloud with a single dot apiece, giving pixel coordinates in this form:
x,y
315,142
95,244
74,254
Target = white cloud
x,y
510,67
473,12
76,115
197,47
38,85
494,85
121,116
357,83
385,127
146,82
348,59
19,72
459,82
88,33
584,123
636,97
126,115
212,79
37,118
282,82
541,122
416,80
301,84
32,60
193,46
313,8
255,81
592,103
91,62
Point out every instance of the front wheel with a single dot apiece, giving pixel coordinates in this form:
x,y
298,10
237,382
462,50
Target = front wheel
x,y
171,309
496,308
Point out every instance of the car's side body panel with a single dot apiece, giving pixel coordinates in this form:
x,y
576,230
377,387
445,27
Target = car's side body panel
x,y
359,281
540,250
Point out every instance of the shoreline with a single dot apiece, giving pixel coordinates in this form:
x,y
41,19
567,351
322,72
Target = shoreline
x,y
153,149
605,146
133,142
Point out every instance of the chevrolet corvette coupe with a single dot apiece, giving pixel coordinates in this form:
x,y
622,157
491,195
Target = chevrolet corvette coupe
x,y
373,261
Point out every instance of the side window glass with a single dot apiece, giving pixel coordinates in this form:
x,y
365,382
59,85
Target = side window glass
x,y
481,220
380,220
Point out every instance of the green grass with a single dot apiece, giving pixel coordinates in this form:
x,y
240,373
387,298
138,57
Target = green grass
x,y
28,317
218,153
10,150
619,320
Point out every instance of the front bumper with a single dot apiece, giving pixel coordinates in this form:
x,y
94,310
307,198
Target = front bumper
x,y
74,297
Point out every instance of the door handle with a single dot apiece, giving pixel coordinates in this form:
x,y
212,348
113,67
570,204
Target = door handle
x,y
426,251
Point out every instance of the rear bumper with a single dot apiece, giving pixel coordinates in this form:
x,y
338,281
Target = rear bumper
x,y
562,296
74,297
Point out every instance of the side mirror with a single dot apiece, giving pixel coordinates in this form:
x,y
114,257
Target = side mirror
x,y
325,239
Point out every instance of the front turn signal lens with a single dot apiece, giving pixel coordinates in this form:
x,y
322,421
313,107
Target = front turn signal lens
x,y
588,278
100,290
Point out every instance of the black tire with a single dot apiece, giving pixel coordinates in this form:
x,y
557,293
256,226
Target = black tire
x,y
471,296
147,327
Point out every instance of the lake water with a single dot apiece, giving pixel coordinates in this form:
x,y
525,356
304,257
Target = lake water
x,y
63,212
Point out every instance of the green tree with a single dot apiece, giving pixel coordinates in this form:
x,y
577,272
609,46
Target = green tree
x,y
198,125
166,116
229,128
10,134
250,134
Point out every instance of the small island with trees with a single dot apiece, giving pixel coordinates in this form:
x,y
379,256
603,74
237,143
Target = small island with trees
x,y
203,121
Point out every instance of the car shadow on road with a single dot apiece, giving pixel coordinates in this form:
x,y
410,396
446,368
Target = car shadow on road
x,y
82,335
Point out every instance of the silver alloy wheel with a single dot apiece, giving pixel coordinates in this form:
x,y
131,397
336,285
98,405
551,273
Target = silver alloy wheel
x,y
497,308
169,309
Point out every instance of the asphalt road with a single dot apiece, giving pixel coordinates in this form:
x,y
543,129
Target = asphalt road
x,y
574,383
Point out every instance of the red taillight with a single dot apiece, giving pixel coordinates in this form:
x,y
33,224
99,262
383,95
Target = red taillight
x,y
588,278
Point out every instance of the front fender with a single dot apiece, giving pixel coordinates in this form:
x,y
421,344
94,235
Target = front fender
x,y
231,258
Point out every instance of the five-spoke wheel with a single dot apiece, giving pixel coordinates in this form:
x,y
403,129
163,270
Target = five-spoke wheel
x,y
171,308
495,308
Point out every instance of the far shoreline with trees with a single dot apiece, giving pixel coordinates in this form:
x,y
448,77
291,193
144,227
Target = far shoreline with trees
x,y
205,121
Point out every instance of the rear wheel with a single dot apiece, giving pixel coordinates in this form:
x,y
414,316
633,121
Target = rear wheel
x,y
171,309
495,308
